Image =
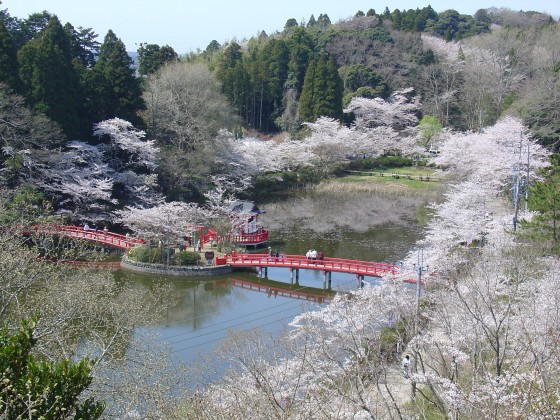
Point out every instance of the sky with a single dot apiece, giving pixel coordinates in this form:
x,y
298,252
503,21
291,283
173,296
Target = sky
x,y
188,25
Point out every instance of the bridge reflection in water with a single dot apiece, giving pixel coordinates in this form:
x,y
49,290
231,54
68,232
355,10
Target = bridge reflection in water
x,y
309,294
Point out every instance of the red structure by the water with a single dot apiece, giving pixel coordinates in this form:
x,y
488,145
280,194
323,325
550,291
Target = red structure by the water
x,y
363,268
78,232
259,261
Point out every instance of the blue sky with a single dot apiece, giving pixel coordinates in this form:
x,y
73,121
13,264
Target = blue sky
x,y
187,25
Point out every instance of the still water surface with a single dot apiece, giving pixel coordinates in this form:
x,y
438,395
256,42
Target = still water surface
x,y
374,228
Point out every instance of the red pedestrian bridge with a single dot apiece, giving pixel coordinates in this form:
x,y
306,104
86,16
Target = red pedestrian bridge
x,y
327,265
100,236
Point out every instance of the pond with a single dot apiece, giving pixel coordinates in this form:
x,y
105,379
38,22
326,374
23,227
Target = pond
x,y
373,228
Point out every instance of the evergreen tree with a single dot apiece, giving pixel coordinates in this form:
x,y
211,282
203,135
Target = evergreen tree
x,y
312,22
307,97
50,81
323,21
334,92
151,57
545,199
322,91
84,45
115,90
301,48
234,77
320,85
8,59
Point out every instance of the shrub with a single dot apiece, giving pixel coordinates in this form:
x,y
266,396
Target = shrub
x,y
388,338
186,258
308,175
143,254
289,178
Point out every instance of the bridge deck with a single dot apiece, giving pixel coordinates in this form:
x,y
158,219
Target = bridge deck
x,y
103,237
365,268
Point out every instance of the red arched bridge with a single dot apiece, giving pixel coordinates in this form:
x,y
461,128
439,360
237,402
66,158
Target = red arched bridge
x,y
261,262
296,262
100,236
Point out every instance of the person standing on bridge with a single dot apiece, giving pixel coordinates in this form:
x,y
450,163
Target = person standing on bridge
x,y
86,227
105,230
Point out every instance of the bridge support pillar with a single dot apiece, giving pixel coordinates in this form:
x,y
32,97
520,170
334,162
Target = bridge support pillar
x,y
326,276
264,272
360,280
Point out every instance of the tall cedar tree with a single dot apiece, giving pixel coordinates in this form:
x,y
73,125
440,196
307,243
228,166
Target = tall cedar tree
x,y
322,91
8,59
301,48
116,91
306,99
50,81
235,81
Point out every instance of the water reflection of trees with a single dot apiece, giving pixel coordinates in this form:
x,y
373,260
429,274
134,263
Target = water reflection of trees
x,y
326,212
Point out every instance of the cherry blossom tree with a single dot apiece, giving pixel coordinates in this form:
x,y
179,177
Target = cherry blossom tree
x,y
88,181
399,111
329,365
172,220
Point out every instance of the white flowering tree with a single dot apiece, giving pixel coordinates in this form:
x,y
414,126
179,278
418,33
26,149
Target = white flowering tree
x,y
330,365
400,111
163,222
88,181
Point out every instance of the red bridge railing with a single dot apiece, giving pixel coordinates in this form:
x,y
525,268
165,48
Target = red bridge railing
x,y
368,268
100,236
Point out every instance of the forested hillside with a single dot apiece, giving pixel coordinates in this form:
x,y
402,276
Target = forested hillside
x,y
464,71
164,145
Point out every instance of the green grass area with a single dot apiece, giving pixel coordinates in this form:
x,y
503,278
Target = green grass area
x,y
409,180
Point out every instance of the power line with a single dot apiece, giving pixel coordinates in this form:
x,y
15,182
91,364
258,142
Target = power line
x,y
222,338
232,319
228,327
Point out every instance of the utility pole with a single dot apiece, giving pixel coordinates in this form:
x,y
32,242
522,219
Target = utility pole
x,y
167,239
527,180
419,268
518,183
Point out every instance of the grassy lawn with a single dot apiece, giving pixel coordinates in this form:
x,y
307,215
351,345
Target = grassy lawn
x,y
408,182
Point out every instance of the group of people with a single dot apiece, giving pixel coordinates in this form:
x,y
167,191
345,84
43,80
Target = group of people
x,y
314,255
273,254
95,228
